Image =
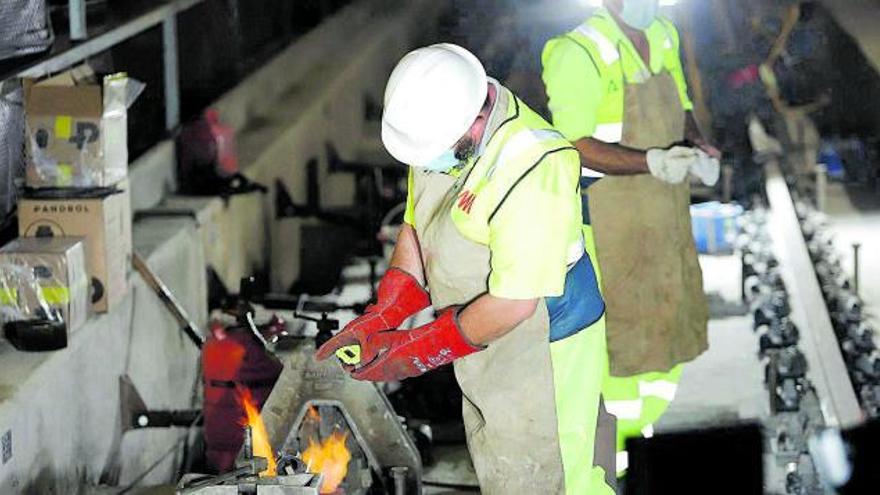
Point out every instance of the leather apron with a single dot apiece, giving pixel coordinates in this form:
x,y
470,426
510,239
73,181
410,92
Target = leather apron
x,y
656,312
509,404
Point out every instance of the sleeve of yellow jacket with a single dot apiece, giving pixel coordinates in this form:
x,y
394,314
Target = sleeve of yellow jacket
x,y
409,214
533,229
573,85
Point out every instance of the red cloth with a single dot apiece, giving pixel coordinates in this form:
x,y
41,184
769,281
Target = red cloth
x,y
742,77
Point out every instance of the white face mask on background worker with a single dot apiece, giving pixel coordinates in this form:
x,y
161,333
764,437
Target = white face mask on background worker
x,y
639,14
432,100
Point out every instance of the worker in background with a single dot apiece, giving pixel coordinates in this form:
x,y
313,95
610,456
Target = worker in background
x,y
616,90
800,130
493,227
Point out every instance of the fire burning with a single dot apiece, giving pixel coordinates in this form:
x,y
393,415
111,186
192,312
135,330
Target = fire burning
x,y
329,457
313,414
262,447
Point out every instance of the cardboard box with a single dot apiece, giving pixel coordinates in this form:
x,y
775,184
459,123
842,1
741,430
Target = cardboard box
x,y
103,218
77,129
44,279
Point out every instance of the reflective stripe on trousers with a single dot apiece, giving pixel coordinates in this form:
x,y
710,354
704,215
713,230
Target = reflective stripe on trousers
x,y
639,401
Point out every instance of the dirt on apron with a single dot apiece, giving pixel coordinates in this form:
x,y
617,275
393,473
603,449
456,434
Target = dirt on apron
x,y
656,312
509,404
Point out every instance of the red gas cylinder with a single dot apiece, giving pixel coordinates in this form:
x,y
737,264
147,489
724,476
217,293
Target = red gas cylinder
x,y
232,358
223,137
206,154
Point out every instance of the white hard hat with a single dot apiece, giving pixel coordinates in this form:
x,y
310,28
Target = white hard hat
x,y
432,98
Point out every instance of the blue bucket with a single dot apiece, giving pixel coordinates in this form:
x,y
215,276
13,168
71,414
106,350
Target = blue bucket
x,y
714,226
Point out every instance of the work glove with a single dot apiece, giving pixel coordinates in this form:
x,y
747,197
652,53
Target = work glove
x,y
398,297
706,168
671,165
398,354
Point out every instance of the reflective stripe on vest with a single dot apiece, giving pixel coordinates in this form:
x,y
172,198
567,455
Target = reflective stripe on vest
x,y
575,251
622,461
517,144
607,50
661,389
667,43
625,409
588,172
609,133
612,132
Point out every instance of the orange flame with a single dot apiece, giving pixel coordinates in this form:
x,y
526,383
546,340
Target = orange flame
x,y
262,447
330,458
313,414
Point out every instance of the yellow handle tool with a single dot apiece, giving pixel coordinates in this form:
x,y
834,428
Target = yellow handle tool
x,y
350,354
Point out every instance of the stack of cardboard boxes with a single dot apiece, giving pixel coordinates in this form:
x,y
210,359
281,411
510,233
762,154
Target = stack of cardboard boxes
x,y
77,194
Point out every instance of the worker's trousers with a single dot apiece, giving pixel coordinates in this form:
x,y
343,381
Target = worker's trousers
x,y
638,402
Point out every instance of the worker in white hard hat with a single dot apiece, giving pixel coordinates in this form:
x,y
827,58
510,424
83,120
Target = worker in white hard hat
x,y
617,91
492,240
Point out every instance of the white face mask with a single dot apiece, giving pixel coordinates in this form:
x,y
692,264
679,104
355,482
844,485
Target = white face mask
x,y
443,163
452,158
639,13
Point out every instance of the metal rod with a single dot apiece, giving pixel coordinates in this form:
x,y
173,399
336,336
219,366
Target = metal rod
x,y
252,468
399,475
171,72
821,186
169,300
248,445
165,419
77,14
727,173
100,43
828,372
855,248
255,330
235,35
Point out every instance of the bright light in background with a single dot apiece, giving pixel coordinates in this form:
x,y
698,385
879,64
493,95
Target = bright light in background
x,y
598,3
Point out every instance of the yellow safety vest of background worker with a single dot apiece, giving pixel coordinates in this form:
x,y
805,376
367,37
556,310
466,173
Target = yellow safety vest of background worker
x,y
616,90
493,225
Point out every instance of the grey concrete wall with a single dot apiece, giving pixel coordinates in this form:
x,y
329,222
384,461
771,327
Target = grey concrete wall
x,y
61,409
310,94
313,94
153,176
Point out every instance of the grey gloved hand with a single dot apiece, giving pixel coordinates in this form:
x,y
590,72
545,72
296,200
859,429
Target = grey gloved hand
x,y
671,165
706,168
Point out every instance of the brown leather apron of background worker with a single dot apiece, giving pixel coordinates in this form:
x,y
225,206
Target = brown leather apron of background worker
x,y
508,394
656,312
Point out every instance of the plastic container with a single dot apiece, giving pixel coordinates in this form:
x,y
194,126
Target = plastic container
x,y
714,226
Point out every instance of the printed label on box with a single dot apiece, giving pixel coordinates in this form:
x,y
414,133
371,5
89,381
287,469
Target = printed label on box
x,y
6,446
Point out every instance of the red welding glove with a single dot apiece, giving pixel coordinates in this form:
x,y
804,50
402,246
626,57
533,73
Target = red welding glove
x,y
407,353
398,297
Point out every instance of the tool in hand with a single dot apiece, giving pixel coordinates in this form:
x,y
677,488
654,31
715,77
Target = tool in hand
x,y
350,354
